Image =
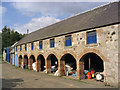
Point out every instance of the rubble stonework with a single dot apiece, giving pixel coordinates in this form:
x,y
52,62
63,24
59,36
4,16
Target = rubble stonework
x,y
106,48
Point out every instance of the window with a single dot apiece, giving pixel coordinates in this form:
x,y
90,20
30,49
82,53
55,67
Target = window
x,y
40,44
68,40
32,46
20,48
16,48
91,37
52,43
25,47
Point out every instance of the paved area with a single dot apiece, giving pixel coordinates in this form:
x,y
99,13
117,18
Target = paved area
x,y
13,77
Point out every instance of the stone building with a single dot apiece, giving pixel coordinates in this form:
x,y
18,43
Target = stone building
x,y
90,35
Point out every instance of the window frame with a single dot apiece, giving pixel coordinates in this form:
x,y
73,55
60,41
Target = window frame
x,y
94,36
25,47
52,44
68,42
40,44
32,46
20,47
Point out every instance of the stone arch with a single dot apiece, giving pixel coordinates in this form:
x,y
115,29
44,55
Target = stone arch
x,y
93,51
96,58
67,59
51,52
68,52
40,53
51,60
25,61
25,55
31,60
20,61
33,55
40,62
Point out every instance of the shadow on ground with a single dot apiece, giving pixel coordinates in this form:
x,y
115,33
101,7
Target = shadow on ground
x,y
10,83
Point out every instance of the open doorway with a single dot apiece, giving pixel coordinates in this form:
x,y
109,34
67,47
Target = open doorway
x,y
31,61
91,63
25,62
52,63
68,65
40,63
20,61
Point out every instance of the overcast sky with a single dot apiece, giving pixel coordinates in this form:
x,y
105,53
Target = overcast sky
x,y
21,16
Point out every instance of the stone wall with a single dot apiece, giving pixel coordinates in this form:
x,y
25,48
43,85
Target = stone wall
x,y
106,48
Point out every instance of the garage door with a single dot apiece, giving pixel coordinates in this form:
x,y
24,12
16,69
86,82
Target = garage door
x,y
16,60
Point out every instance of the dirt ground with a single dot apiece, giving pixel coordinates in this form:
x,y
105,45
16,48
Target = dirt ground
x,y
14,77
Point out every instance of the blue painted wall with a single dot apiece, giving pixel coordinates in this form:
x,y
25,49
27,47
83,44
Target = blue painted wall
x,y
16,60
8,54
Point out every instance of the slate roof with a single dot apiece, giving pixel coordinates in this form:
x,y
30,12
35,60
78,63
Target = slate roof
x,y
101,16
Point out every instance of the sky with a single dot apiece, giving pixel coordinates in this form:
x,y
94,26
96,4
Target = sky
x,y
21,16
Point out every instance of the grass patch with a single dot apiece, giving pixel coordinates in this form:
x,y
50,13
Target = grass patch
x,y
77,80
67,78
83,81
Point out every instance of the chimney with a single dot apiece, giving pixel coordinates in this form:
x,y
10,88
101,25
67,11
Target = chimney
x,y
27,31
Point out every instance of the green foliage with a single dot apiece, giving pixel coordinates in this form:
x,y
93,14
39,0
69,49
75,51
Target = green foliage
x,y
9,37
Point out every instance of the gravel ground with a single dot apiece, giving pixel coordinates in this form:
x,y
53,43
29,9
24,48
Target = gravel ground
x,y
14,77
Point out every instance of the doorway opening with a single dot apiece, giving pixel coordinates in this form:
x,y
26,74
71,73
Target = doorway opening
x,y
91,63
20,61
25,62
68,65
31,61
40,63
52,63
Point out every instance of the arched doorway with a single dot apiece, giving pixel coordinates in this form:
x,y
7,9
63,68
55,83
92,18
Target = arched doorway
x,y
31,61
90,62
67,64
52,63
16,61
40,63
20,61
25,62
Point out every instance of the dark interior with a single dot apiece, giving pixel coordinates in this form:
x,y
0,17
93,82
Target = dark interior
x,y
95,60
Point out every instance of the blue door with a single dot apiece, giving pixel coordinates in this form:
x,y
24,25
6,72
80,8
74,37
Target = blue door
x,y
16,60
8,54
11,58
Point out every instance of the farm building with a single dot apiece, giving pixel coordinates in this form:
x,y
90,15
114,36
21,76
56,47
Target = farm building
x,y
8,54
88,41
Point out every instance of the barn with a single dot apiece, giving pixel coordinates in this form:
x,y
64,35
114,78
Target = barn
x,y
87,41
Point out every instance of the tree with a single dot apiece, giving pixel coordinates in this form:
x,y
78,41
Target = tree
x,y
9,37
